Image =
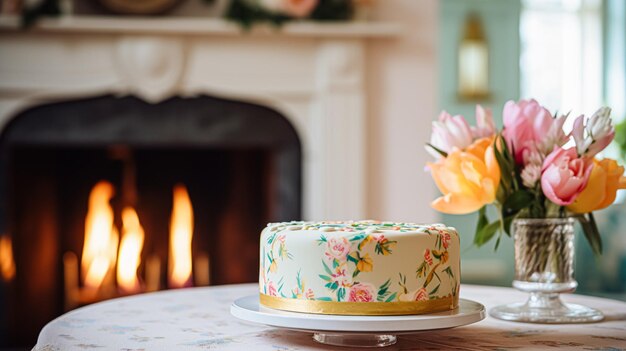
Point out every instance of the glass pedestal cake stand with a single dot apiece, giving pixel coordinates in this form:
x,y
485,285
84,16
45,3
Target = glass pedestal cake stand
x,y
356,331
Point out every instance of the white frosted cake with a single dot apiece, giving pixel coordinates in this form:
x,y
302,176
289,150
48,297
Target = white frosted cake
x,y
359,268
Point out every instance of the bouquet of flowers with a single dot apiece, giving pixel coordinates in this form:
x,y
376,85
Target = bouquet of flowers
x,y
529,169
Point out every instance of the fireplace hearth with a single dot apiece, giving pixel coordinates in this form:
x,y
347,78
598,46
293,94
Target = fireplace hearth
x,y
239,162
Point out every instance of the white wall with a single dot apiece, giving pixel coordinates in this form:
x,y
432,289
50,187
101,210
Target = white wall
x,y
402,103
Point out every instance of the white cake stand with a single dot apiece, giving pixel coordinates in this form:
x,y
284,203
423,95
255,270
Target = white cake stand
x,y
356,331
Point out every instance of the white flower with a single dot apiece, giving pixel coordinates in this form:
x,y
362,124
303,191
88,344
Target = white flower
x,y
531,175
592,138
532,156
599,125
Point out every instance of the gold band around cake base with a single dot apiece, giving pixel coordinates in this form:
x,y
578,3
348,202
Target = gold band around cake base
x,y
360,308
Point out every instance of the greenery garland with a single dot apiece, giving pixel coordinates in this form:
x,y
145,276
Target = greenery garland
x,y
244,12
247,13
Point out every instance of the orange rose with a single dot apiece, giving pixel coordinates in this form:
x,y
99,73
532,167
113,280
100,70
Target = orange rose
x,y
467,179
605,179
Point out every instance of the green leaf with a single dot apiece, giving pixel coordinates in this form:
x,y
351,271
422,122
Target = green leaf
x,y
385,285
341,293
335,263
324,299
326,268
592,234
482,219
507,224
321,240
358,237
517,201
505,165
325,277
495,248
486,233
434,291
437,150
352,259
391,297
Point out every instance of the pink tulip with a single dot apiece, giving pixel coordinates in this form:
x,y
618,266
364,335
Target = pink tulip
x,y
527,123
450,132
564,175
485,127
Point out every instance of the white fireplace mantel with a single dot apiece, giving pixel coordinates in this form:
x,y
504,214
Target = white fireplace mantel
x,y
312,73
202,26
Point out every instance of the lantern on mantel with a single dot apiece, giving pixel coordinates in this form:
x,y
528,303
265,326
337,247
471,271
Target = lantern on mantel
x,y
473,69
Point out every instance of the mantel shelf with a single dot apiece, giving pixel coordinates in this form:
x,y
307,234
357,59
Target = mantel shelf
x,y
202,26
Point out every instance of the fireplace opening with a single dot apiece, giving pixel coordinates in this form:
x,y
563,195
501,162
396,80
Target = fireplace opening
x,y
221,169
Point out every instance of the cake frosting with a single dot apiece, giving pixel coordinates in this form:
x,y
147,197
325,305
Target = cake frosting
x,y
359,267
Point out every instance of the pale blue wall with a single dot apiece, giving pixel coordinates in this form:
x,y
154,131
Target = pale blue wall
x,y
500,20
606,275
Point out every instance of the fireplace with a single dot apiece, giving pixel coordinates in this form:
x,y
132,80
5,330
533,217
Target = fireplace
x,y
239,163
312,76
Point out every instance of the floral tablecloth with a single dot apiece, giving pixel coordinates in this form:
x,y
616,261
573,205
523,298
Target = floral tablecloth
x,y
199,319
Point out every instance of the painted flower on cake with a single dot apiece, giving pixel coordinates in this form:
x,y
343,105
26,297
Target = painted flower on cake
x,y
427,257
362,292
273,266
271,288
383,246
468,179
445,239
442,256
338,248
365,264
340,278
421,295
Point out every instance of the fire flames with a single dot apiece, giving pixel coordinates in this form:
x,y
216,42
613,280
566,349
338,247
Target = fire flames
x,y
101,263
130,251
101,237
181,232
7,264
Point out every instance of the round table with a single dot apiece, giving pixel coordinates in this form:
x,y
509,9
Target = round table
x,y
199,319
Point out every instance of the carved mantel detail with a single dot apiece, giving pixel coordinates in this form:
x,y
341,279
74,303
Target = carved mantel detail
x,y
151,67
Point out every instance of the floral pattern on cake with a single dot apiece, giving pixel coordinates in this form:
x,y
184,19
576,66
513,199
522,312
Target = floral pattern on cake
x,y
347,258
275,253
349,252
